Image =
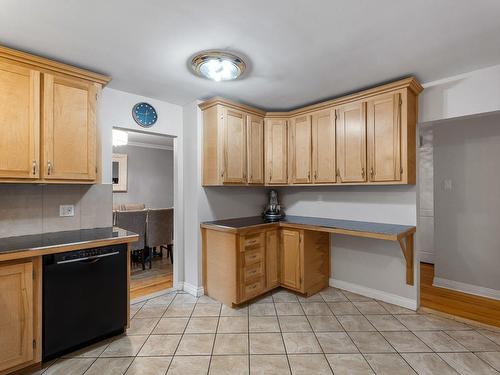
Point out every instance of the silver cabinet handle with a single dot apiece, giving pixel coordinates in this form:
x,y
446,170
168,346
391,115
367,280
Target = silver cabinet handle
x,y
49,168
34,167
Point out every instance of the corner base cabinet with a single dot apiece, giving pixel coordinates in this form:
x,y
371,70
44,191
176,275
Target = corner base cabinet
x,y
238,267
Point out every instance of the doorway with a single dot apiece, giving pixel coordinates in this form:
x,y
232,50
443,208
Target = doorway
x,y
143,201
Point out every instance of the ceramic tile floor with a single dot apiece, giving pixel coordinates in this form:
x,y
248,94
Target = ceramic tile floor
x,y
333,332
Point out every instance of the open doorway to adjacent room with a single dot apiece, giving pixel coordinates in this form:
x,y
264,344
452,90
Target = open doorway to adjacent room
x,y
143,200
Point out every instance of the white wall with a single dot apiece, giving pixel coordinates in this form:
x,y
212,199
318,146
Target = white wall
x,y
115,110
463,95
364,265
150,172
450,101
467,212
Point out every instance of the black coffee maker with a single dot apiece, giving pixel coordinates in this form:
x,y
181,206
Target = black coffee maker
x,y
273,211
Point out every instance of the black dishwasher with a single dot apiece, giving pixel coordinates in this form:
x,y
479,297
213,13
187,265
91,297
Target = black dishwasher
x,y
84,298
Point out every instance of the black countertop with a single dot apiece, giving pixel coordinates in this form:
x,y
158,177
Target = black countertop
x,y
351,225
64,238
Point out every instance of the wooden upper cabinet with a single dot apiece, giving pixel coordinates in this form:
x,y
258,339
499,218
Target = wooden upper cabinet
x,y
351,142
255,149
384,137
276,140
323,146
69,128
291,258
300,150
272,259
16,319
364,138
235,165
19,122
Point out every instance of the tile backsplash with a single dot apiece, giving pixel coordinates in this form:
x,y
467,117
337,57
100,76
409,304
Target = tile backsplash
x,y
30,209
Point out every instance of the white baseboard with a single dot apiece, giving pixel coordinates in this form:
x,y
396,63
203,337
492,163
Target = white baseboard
x,y
466,288
193,290
374,293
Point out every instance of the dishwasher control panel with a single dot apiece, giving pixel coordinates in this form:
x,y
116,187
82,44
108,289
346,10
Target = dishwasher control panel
x,y
84,254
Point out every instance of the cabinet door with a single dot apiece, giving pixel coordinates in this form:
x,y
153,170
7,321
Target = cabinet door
x,y
255,149
300,150
19,122
351,142
384,137
272,259
291,258
69,128
276,151
323,146
235,167
16,318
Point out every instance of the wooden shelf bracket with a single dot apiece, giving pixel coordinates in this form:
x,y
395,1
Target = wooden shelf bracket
x,y
406,243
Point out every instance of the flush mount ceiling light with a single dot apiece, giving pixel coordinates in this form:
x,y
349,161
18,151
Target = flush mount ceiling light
x,y
218,65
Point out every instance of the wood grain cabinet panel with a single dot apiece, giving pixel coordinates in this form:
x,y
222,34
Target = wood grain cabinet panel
x,y
276,140
255,149
362,138
300,150
235,167
291,258
323,146
69,129
19,121
16,318
351,142
384,137
272,259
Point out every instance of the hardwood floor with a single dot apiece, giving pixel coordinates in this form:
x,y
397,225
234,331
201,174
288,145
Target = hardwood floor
x,y
159,277
484,310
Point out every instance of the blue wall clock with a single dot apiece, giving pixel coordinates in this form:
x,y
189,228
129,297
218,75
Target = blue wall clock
x,y
144,114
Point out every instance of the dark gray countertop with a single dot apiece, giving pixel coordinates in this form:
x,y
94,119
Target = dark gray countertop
x,y
65,238
351,225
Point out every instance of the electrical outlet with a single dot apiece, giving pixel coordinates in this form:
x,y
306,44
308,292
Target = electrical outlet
x,y
66,210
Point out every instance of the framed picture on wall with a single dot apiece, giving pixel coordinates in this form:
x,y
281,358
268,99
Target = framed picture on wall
x,y
119,172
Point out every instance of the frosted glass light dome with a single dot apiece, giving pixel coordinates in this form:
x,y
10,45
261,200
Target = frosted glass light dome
x,y
218,66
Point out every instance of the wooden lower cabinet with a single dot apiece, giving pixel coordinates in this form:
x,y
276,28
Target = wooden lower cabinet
x,y
272,259
19,319
240,267
291,262
305,260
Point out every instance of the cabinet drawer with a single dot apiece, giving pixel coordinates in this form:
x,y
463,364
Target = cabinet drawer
x,y
253,289
253,256
252,271
253,241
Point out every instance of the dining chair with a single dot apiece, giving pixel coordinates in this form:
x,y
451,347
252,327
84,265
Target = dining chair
x,y
160,231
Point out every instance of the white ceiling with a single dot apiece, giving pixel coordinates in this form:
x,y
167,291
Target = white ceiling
x,y
299,51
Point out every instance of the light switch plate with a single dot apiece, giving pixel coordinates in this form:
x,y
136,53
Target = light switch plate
x,y
66,210
448,185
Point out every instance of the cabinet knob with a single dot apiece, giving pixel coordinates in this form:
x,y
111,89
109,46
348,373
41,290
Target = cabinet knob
x,y
49,168
372,173
363,172
34,167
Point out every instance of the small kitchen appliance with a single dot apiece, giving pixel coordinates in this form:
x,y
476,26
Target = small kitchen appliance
x,y
273,210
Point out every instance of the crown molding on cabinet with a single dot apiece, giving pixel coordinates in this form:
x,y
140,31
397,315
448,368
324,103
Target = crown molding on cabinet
x,y
47,65
410,83
231,104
